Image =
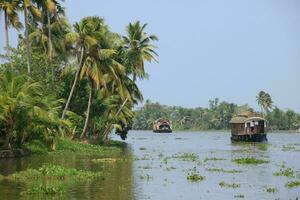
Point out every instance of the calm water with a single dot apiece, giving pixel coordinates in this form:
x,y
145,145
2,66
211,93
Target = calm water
x,y
156,173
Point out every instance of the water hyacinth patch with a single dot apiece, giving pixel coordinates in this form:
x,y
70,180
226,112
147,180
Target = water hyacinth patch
x,y
44,189
292,184
229,185
250,161
54,172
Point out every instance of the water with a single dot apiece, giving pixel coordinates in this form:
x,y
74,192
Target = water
x,y
156,173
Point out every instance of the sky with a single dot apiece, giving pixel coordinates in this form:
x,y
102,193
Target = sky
x,y
211,48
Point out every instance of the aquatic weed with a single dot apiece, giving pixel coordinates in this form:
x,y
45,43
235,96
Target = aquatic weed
x,y
292,184
232,171
250,161
288,172
146,177
186,156
194,176
271,189
213,159
228,185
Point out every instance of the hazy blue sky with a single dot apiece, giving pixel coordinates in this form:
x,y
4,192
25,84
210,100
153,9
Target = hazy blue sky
x,y
212,48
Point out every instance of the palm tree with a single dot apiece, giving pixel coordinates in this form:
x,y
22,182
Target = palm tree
x,y
138,48
100,68
28,6
82,40
11,18
265,102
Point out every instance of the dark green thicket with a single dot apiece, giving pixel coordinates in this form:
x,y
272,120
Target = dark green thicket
x,y
216,117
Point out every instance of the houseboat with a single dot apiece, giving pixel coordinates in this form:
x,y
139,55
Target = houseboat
x,y
162,125
248,127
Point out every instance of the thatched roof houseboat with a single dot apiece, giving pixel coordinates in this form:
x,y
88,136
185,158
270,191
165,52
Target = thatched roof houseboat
x,y
249,127
162,125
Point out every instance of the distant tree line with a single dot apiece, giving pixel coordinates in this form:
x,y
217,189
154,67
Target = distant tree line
x,y
215,117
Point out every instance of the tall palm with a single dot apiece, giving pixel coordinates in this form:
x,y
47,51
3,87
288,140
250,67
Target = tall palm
x,y
100,68
265,102
11,18
138,49
29,7
82,40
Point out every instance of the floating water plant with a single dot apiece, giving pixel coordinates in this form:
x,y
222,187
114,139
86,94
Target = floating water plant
x,y
146,177
239,196
288,172
271,189
232,171
143,148
194,176
54,172
213,159
186,156
229,185
292,184
104,160
250,161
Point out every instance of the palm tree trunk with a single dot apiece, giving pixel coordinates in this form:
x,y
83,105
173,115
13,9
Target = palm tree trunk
x,y
74,84
106,131
6,29
8,131
27,40
50,48
87,119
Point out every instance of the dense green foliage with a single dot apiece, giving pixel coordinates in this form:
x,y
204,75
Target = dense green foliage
x,y
61,80
216,117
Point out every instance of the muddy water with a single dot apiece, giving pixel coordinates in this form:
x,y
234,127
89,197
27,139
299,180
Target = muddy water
x,y
117,183
160,174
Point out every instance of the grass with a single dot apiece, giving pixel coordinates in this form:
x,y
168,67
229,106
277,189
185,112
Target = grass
x,y
250,161
229,185
54,172
66,145
292,184
213,159
194,176
270,189
44,189
231,171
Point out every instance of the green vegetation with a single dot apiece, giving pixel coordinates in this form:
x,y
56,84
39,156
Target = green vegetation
x,y
76,82
213,159
292,184
186,156
271,190
56,172
216,117
146,177
288,172
194,176
239,196
228,185
231,171
44,189
250,161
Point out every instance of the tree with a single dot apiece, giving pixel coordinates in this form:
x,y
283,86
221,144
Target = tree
x,y
138,49
11,18
82,40
264,100
28,6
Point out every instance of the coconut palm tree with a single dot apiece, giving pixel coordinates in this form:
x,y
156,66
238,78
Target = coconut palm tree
x,y
138,49
11,17
265,102
29,7
82,40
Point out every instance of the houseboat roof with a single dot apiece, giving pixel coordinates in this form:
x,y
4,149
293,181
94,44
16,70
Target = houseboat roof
x,y
246,116
161,120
